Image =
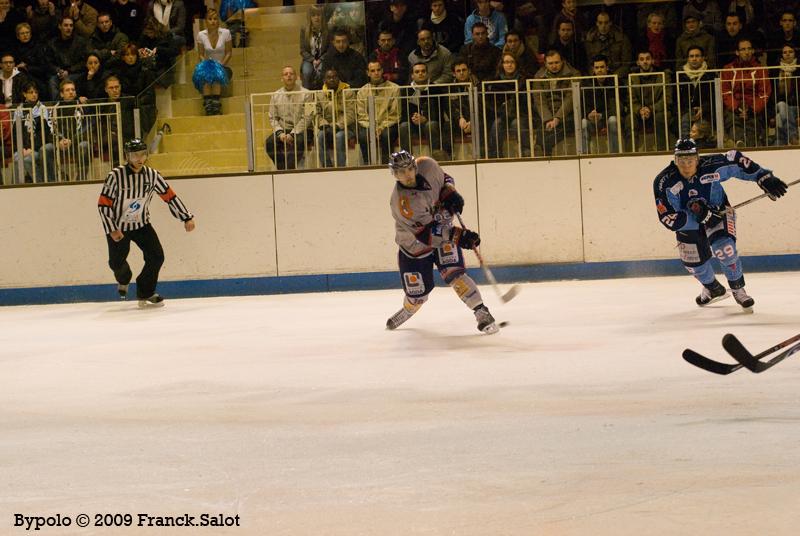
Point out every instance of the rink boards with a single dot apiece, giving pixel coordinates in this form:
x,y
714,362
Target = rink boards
x,y
593,217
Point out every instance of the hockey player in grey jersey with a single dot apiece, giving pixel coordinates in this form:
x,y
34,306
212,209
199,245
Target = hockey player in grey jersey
x,y
423,203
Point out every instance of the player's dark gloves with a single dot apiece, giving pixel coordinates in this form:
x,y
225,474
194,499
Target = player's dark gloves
x,y
773,186
465,238
453,202
704,214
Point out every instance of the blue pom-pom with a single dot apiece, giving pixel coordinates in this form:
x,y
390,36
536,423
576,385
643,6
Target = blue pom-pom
x,y
229,7
209,72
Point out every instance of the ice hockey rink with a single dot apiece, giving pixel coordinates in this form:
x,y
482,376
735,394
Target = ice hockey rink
x,y
303,416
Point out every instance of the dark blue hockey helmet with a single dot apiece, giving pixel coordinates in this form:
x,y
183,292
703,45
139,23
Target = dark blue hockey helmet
x,y
685,146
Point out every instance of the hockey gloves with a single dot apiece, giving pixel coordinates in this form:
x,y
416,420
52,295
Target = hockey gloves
x,y
704,214
452,201
465,238
772,186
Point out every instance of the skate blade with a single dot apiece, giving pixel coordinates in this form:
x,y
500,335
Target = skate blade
x,y
718,298
144,304
491,329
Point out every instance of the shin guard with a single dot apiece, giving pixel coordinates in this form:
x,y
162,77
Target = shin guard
x,y
467,290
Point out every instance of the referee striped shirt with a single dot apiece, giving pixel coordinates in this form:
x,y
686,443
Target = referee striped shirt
x,y
124,203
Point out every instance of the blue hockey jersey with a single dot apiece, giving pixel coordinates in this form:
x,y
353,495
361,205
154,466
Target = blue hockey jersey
x,y
673,192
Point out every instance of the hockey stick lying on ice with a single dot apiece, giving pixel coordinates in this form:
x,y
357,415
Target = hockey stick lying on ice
x,y
718,367
751,362
762,196
512,292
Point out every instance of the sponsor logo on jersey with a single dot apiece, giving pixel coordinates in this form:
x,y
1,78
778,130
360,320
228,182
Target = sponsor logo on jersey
x,y
693,193
405,207
676,189
660,207
709,177
745,162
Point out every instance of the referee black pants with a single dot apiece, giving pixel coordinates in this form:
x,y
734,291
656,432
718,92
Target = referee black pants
x,y
147,240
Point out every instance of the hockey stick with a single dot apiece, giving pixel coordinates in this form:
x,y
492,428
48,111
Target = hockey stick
x,y
718,367
737,350
743,203
512,292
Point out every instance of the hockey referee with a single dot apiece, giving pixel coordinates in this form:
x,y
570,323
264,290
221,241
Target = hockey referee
x,y
124,209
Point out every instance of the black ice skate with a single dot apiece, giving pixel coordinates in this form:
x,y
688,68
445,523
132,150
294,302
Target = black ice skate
x,y
123,292
711,293
742,298
485,320
398,318
153,301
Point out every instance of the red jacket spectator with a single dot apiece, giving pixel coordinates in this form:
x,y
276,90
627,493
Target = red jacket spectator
x,y
750,87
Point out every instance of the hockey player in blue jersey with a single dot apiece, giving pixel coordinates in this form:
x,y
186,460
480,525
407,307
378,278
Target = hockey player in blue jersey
x,y
691,201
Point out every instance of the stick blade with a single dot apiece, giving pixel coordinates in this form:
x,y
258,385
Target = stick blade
x,y
741,354
511,294
710,365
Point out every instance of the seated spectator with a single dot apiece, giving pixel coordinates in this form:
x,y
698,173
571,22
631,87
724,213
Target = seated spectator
x,y
525,58
287,143
129,18
703,135
696,90
481,56
707,12
745,94
214,49
657,41
599,105
105,130
349,16
566,43
727,41
66,55
387,115
107,40
507,110
9,18
137,79
447,27
12,80
37,152
460,112
171,14
750,13
495,22
403,25
787,35
694,35
581,21
30,56
84,16
553,103
157,44
437,59
669,15
43,19
91,82
651,105
313,45
607,40
394,64
786,90
335,121
72,150
350,65
422,115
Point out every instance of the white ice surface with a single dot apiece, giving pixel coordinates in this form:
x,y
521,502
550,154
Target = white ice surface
x,y
302,415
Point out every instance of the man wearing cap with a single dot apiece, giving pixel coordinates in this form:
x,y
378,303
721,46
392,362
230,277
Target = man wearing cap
x,y
694,35
124,207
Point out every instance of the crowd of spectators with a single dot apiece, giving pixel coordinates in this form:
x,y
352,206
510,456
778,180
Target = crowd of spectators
x,y
505,40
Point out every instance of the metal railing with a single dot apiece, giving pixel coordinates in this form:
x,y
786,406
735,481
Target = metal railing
x,y
59,143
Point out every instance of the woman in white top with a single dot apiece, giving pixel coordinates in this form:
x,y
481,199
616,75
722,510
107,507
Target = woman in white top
x,y
212,73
